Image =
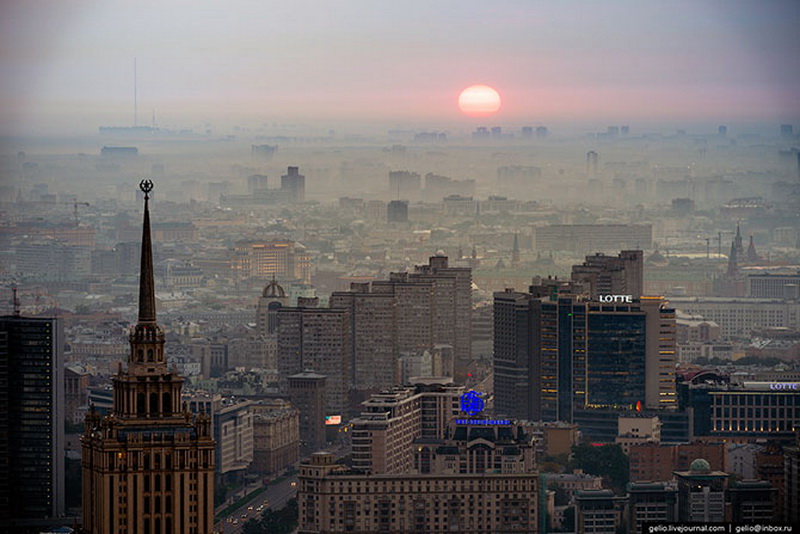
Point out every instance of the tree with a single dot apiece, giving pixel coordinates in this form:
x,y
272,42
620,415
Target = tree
x,y
282,521
607,461
569,520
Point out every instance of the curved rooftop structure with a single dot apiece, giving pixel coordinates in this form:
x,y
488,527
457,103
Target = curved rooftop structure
x,y
700,465
273,289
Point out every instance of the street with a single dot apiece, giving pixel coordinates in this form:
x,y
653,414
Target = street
x,y
276,495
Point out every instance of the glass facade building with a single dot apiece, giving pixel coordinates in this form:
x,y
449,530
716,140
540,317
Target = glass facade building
x,y
31,418
616,358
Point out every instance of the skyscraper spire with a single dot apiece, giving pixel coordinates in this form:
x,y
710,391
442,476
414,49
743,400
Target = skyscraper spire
x,y
737,241
752,255
733,268
148,422
147,293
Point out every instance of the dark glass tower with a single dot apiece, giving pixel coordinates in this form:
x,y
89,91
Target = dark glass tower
x,y
615,371
31,419
556,352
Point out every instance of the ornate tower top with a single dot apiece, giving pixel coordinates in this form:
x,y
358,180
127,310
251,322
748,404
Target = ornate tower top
x,y
147,293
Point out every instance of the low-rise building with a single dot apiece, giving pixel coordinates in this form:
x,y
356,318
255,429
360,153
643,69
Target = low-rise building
x,y
481,480
701,493
651,502
597,512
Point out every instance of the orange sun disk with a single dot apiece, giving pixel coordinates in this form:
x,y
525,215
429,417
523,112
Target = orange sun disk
x,y
479,101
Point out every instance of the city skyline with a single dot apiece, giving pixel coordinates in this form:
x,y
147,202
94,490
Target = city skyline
x,y
70,70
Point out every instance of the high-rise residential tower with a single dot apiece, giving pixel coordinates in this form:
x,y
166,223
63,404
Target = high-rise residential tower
x,y
311,338
148,466
612,275
373,337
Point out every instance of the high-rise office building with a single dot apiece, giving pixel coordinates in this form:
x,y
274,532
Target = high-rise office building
x,y
148,466
516,380
294,184
557,352
31,419
791,482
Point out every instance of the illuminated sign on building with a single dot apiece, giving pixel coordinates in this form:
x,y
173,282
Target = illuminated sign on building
x,y
483,421
471,403
615,298
333,419
784,385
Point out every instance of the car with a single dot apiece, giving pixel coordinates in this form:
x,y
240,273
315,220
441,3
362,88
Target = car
x,y
266,502
293,484
235,521
244,516
250,508
260,508
229,520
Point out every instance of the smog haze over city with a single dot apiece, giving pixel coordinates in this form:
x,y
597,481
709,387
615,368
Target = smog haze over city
x,y
358,206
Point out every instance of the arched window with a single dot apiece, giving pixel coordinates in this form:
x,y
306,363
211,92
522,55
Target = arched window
x,y
149,355
140,355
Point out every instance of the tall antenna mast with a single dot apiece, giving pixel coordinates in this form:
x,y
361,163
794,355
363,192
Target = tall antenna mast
x,y
135,99
16,302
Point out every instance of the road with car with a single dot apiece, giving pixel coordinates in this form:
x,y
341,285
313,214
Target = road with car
x,y
276,496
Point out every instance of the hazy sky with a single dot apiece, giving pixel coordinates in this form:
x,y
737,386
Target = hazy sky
x,y
69,64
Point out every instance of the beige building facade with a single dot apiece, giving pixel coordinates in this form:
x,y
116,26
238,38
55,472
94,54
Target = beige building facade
x,y
148,466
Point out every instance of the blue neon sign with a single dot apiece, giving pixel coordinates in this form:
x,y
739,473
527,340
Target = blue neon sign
x,y
471,403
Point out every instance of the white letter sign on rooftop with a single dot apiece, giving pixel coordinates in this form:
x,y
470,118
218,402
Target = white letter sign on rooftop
x,y
616,298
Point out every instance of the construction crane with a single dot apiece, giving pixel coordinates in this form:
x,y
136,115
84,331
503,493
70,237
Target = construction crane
x,y
74,205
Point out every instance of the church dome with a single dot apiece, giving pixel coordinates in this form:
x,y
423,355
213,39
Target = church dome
x,y
657,259
273,289
700,465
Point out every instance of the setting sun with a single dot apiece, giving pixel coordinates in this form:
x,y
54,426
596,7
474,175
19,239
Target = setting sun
x,y
479,101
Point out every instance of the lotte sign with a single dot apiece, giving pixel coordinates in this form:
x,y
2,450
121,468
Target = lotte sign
x,y
615,298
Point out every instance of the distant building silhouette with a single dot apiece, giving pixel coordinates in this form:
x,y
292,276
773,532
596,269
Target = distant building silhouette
x,y
294,184
397,211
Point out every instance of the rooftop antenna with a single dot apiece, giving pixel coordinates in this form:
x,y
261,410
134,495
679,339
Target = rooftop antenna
x,y
135,99
16,302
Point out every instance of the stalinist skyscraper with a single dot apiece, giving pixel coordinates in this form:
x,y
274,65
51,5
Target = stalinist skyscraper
x,y
148,466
